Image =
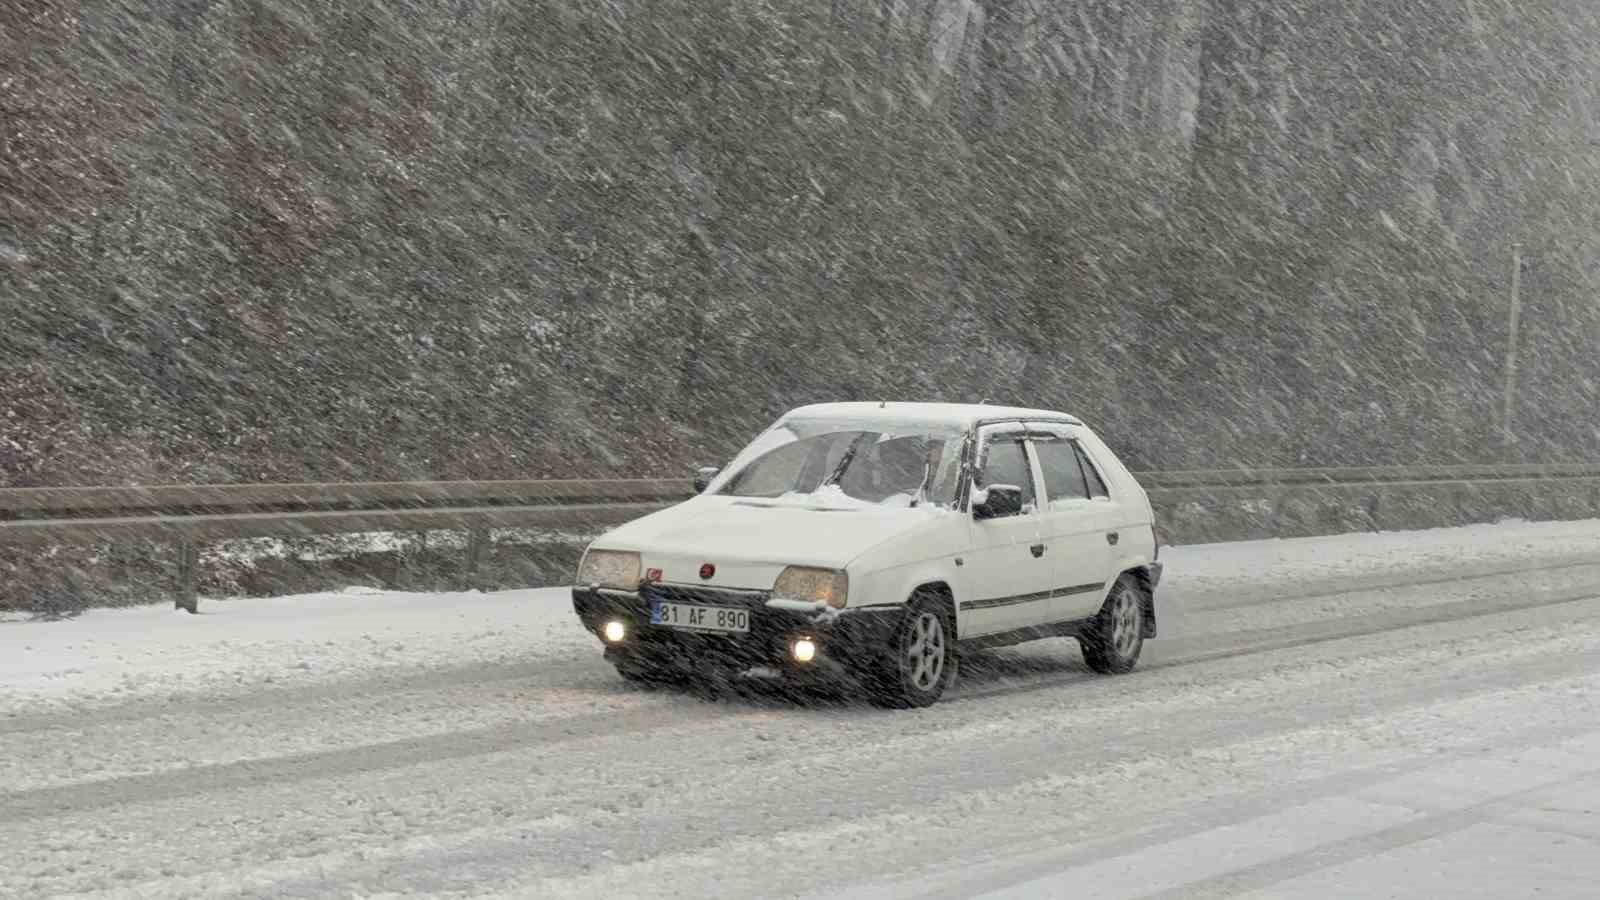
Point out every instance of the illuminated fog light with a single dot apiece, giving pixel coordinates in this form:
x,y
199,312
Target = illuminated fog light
x,y
615,631
805,650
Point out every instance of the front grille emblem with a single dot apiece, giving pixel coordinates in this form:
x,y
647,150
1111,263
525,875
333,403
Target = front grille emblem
x,y
707,570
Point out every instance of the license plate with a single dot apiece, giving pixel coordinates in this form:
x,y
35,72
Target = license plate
x,y
691,617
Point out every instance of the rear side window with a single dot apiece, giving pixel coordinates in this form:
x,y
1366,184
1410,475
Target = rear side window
x,y
1097,485
1063,474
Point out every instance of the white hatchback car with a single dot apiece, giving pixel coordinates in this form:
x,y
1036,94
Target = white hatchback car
x,y
882,537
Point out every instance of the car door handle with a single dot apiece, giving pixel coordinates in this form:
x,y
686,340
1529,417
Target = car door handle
x,y
1112,538
1038,550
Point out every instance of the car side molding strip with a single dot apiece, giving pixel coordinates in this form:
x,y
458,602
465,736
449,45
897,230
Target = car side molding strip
x,y
993,602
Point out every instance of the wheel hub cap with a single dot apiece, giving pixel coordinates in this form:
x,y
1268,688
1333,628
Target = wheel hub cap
x,y
1125,624
925,653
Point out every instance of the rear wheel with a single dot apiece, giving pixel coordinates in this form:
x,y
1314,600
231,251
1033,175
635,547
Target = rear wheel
x,y
1115,637
922,660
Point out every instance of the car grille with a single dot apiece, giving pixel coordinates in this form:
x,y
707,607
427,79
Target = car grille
x,y
678,593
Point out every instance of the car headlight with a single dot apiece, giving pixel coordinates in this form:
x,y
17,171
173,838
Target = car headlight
x,y
617,569
829,586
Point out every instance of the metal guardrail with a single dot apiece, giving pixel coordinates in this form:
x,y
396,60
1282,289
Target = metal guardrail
x,y
188,515
1364,476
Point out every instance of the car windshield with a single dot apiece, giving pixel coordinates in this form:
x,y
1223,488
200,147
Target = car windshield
x,y
850,463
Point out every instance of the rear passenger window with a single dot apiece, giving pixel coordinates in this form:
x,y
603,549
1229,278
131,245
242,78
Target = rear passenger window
x,y
1097,486
1063,475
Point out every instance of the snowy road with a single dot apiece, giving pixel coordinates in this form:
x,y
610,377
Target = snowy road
x,y
1370,715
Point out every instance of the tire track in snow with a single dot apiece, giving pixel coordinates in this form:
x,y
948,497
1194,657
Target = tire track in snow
x,y
1326,856
873,768
571,671
1180,847
682,839
1189,651
367,757
460,745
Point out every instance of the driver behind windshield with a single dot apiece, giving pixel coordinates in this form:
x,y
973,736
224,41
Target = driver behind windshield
x,y
833,463
892,467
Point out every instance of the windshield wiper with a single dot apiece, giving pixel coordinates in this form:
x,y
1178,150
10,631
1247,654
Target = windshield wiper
x,y
844,461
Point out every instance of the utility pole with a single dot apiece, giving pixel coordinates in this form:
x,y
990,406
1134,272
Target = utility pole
x,y
1511,342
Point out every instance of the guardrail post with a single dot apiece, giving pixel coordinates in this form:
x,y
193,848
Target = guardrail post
x,y
188,557
477,545
409,555
1462,498
1274,515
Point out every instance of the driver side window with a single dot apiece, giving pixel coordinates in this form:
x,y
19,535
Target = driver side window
x,y
1004,462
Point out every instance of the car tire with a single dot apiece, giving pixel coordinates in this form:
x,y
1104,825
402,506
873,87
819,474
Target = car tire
x,y
921,661
1114,638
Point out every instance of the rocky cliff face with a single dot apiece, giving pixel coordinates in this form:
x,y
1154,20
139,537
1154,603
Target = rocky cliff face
x,y
363,240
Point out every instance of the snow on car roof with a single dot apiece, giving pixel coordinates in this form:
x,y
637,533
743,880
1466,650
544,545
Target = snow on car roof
x,y
954,413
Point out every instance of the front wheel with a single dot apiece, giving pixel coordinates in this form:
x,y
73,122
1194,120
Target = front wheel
x,y
1114,638
922,658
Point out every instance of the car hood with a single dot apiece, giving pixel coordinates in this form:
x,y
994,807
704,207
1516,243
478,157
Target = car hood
x,y
765,532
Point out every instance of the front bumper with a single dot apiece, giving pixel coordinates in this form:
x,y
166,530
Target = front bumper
x,y
851,636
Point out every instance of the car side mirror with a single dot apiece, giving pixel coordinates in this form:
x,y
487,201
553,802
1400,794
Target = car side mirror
x,y
703,476
996,501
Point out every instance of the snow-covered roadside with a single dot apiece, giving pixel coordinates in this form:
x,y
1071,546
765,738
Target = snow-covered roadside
x,y
1282,564
118,655
241,645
